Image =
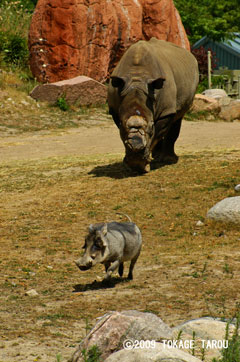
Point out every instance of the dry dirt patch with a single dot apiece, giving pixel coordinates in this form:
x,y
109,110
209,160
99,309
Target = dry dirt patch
x,y
53,185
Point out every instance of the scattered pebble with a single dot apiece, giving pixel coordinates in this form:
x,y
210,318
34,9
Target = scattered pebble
x,y
237,187
25,103
31,293
199,223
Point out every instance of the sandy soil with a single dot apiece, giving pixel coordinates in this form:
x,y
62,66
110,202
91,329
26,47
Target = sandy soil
x,y
99,140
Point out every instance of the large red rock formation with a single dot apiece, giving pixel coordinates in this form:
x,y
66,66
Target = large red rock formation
x,y
68,38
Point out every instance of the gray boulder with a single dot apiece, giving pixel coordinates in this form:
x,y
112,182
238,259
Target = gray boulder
x,y
215,93
206,328
158,354
114,328
209,334
227,210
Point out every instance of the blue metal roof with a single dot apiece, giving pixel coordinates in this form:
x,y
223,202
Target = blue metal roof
x,y
234,43
227,52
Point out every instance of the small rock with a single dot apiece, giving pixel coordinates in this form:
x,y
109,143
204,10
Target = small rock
x,y
215,93
226,210
199,223
237,187
224,101
204,103
31,293
231,111
25,103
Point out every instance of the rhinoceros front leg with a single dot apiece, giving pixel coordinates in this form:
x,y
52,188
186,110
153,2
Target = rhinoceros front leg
x,y
164,149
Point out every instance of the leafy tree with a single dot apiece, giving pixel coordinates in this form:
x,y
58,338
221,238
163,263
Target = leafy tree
x,y
216,19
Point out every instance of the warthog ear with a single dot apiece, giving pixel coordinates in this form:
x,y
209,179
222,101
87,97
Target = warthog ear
x,y
91,228
104,229
156,83
118,82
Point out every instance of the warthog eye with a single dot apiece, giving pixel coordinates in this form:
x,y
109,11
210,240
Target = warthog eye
x,y
98,243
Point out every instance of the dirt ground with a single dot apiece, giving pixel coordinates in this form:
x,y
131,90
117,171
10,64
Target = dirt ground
x,y
54,183
194,137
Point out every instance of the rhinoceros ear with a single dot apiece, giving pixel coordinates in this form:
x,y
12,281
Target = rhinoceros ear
x,y
156,83
118,82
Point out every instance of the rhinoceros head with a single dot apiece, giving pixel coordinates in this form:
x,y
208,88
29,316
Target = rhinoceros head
x,y
136,118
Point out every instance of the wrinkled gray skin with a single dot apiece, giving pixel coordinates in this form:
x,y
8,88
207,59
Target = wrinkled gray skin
x,y
150,90
111,244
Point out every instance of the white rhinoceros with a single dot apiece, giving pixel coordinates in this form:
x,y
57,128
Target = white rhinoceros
x,y
150,90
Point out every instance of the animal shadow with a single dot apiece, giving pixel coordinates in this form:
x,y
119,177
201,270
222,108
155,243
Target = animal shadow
x,y
117,170
104,284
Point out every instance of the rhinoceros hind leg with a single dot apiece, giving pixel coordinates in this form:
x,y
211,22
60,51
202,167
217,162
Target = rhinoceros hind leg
x,y
164,149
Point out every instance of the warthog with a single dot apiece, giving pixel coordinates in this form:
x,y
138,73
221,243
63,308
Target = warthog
x,y
111,244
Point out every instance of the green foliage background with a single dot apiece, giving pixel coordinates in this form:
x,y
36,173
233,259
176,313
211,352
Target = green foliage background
x,y
216,19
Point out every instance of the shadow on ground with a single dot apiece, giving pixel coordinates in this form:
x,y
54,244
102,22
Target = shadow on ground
x,y
119,170
104,284
115,170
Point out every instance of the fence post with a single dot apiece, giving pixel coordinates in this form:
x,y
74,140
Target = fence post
x,y
209,70
238,96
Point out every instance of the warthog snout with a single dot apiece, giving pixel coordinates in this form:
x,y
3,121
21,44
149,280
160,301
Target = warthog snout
x,y
83,266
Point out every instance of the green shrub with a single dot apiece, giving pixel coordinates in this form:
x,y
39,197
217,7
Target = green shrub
x,y
62,104
92,355
232,353
14,26
14,49
218,81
